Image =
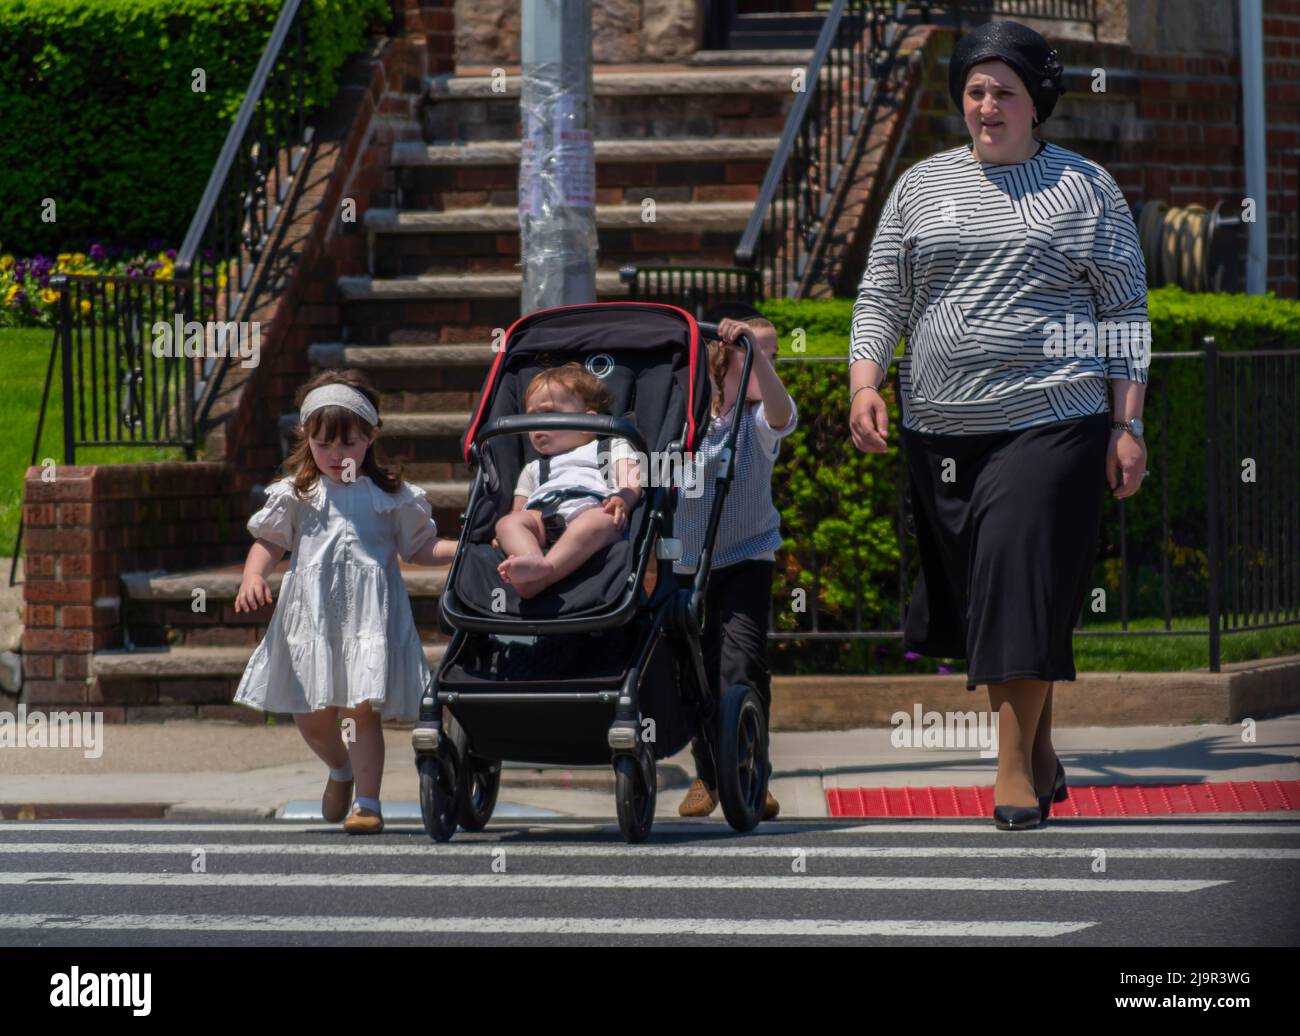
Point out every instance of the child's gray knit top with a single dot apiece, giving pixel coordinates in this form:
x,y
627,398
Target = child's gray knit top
x,y
750,526
997,274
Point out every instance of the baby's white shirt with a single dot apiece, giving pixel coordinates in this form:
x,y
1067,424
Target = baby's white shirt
x,y
578,468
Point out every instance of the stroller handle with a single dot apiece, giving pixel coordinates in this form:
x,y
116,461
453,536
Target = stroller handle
x,y
598,424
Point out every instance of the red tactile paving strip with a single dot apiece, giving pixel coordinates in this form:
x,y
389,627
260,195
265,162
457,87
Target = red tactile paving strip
x,y
1088,800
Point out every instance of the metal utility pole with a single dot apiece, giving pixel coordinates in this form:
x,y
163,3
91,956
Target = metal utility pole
x,y
557,170
1254,140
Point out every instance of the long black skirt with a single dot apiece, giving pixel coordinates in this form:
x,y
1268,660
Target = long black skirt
x,y
1007,527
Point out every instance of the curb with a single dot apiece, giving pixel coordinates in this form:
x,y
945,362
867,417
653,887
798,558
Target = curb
x,y
1256,690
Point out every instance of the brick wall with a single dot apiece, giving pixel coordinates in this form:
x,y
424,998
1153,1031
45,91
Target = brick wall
x,y
84,529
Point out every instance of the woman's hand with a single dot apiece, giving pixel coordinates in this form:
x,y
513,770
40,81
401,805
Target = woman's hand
x,y
253,594
1126,463
869,421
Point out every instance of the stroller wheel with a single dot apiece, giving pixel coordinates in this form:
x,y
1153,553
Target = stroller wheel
x,y
742,757
635,788
438,800
480,782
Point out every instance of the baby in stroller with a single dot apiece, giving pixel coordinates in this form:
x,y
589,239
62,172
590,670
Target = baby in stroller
x,y
575,499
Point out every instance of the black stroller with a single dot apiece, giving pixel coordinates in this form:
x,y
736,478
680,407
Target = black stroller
x,y
605,666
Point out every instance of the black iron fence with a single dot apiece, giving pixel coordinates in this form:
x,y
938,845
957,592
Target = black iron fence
x,y
1208,547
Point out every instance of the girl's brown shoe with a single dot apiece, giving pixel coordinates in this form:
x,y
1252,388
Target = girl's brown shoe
x,y
771,808
700,801
363,822
334,803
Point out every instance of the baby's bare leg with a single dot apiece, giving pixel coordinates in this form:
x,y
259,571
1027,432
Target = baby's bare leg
x,y
521,532
586,534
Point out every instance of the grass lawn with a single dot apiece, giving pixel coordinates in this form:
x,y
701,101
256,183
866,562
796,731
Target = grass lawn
x,y
1172,654
24,355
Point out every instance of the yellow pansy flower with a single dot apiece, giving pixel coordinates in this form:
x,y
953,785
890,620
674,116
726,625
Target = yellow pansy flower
x,y
6,262
49,295
85,305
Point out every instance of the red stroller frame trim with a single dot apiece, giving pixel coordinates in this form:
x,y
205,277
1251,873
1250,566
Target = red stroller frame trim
x,y
489,386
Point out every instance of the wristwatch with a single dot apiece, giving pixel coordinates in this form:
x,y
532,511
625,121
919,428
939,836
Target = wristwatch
x,y
1133,424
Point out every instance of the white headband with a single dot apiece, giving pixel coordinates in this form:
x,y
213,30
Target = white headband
x,y
338,395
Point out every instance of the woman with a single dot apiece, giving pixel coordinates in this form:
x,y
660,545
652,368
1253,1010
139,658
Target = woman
x,y
983,255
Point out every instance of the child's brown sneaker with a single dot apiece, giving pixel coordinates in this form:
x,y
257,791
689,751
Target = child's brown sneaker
x,y
363,822
771,808
700,801
334,803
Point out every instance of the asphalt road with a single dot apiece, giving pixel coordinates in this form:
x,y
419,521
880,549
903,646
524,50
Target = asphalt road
x,y
1093,883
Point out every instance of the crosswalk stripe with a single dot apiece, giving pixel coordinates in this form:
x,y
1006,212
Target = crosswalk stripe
x,y
694,926
624,852
1069,826
1073,826
550,882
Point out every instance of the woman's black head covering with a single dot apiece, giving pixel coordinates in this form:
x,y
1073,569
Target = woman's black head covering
x,y
1021,48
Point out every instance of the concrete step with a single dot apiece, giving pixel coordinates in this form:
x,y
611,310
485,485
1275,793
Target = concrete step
x,y
655,102
694,215
222,584
415,154
455,286
193,662
788,58
652,81
446,495
406,425
422,243
401,357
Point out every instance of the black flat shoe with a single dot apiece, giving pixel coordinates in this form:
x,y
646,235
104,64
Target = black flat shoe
x,y
1059,792
1016,818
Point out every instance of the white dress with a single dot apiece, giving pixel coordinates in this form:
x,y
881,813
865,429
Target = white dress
x,y
342,632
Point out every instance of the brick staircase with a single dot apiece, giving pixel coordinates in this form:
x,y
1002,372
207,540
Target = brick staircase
x,y
442,278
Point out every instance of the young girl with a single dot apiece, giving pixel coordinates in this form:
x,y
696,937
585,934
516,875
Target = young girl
x,y
740,583
564,517
342,642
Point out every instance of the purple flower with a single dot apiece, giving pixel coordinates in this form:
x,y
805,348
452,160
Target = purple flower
x,y
911,656
171,253
943,668
20,296
19,273
153,244
97,253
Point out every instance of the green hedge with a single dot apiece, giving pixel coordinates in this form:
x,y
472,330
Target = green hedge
x,y
99,114
842,503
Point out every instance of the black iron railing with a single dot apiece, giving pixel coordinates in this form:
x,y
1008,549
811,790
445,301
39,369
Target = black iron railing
x,y
241,208
824,129
802,191
1212,536
124,380
695,288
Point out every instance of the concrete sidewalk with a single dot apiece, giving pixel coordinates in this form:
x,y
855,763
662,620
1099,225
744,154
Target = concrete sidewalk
x,y
219,770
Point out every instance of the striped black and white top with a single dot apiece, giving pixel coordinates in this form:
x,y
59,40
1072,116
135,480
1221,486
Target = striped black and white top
x,y
996,273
